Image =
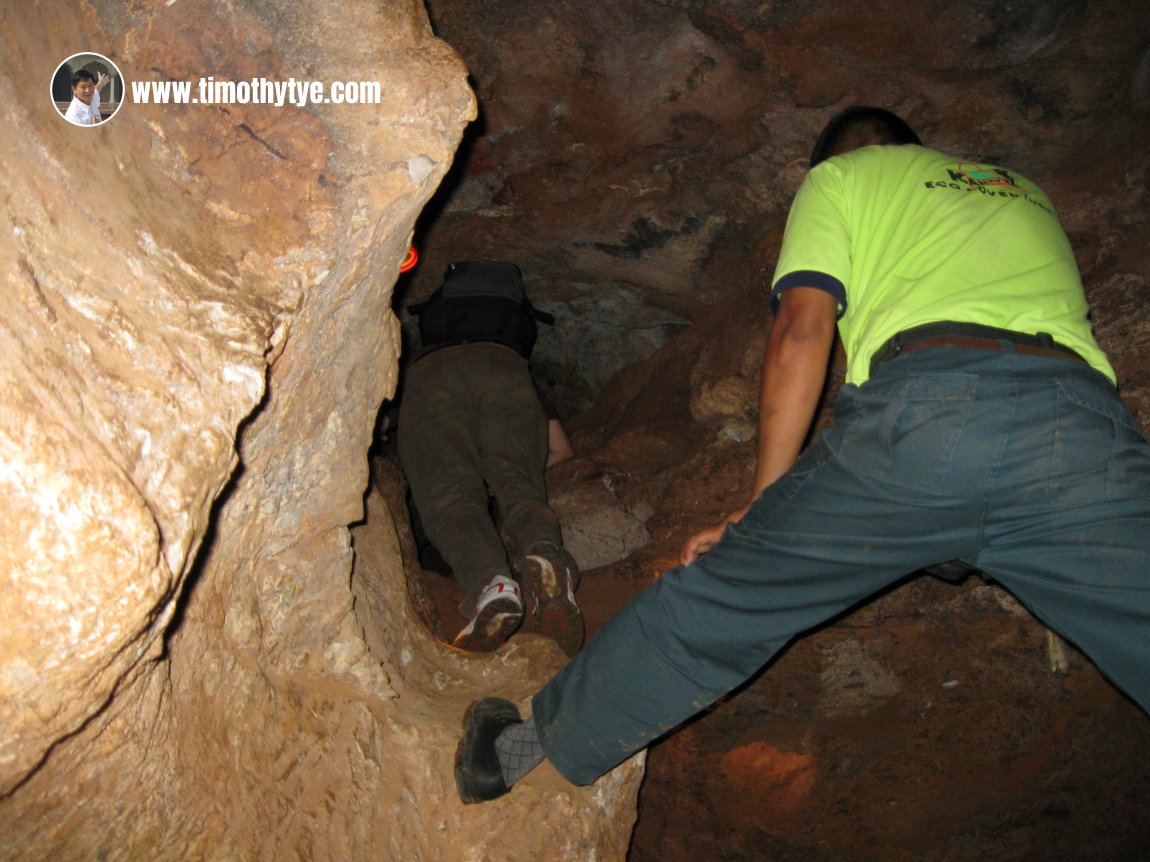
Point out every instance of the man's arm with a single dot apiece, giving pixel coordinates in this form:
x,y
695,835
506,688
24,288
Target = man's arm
x,y
558,445
101,81
794,371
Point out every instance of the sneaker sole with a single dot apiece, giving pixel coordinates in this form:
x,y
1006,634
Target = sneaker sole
x,y
494,625
562,621
559,616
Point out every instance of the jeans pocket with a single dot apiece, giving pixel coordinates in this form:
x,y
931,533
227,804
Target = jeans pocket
x,y
905,431
1092,428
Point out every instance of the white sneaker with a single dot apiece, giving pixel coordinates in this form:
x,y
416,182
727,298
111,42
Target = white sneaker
x,y
498,613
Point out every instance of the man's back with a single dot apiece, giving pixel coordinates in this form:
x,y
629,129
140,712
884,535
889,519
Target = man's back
x,y
915,236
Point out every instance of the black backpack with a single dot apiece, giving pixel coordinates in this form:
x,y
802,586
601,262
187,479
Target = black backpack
x,y
480,301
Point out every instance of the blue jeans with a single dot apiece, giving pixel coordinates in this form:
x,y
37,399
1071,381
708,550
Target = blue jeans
x,y
1028,468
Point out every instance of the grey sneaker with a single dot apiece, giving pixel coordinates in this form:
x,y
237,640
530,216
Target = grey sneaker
x,y
497,615
550,575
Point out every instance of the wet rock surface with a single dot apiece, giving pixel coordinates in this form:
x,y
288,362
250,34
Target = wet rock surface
x,y
197,335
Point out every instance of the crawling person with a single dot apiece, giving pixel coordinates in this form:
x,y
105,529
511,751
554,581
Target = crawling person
x,y
471,422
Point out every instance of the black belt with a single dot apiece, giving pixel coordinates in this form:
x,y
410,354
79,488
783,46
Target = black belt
x,y
947,333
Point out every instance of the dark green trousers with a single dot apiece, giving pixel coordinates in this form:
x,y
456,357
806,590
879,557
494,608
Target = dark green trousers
x,y
470,420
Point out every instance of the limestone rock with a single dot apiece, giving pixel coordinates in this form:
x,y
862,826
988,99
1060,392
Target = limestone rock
x,y
598,529
196,336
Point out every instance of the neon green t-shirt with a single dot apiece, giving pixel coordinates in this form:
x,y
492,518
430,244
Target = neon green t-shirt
x,y
903,235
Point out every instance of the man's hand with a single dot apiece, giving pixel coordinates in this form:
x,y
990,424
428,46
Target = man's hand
x,y
701,542
794,370
707,538
101,80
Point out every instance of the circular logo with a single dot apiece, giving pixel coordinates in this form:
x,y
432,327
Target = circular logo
x,y
87,89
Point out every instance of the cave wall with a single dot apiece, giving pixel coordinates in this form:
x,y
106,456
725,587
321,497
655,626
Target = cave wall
x,y
197,335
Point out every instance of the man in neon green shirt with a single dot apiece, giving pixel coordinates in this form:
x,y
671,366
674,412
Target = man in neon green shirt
x,y
979,423
921,237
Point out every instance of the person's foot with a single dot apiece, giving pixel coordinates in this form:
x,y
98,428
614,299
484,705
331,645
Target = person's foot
x,y
549,574
498,613
477,772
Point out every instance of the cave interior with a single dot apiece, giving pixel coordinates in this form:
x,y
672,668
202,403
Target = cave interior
x,y
219,640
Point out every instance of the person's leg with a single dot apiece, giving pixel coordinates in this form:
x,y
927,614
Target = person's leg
x,y
512,437
513,450
438,444
1069,531
900,483
797,559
